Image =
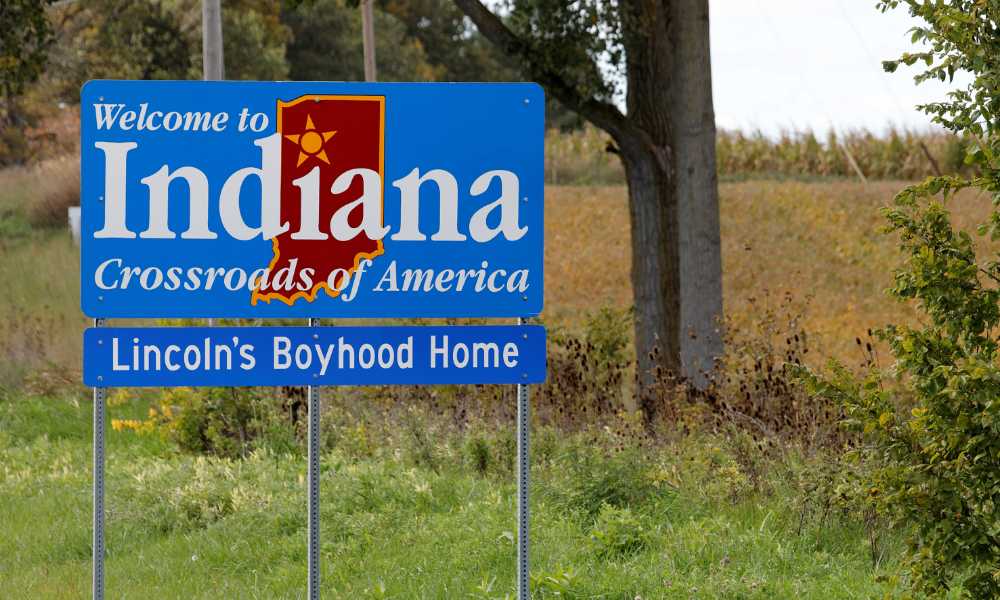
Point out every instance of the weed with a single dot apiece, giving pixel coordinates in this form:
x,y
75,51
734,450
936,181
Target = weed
x,y
558,583
617,533
591,478
587,372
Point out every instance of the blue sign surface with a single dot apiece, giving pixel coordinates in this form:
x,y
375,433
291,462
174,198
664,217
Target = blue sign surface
x,y
296,199
272,356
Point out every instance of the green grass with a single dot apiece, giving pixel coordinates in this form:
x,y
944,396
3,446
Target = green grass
x,y
194,527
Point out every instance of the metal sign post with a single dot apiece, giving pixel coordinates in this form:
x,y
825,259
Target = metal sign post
x,y
211,40
506,355
313,491
368,39
98,541
523,488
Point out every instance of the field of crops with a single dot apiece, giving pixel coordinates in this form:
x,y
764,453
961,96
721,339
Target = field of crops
x,y
582,157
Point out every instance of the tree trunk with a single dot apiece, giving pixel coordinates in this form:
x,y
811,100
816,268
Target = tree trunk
x,y
647,153
655,275
693,141
669,158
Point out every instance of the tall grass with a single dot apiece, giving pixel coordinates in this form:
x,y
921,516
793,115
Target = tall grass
x,y
58,188
685,521
582,157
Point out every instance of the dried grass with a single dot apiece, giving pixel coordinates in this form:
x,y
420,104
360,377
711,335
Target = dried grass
x,y
818,241
57,187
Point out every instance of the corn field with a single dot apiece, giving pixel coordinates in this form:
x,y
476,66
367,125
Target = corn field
x,y
586,156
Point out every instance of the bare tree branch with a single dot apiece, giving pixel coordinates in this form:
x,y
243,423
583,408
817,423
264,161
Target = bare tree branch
x,y
603,114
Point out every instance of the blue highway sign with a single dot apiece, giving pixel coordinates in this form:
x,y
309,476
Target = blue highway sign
x,y
273,356
311,199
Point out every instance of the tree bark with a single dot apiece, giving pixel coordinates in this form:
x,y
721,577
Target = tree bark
x,y
647,154
693,141
655,275
670,99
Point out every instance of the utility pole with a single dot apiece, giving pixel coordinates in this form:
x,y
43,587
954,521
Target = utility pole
x,y
211,48
211,40
368,39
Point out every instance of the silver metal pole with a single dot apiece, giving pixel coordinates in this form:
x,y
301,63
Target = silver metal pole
x,y
314,407
98,542
523,488
368,39
211,40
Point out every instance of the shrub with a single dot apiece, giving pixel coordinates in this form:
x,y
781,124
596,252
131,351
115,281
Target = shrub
x,y
13,146
55,132
934,431
226,422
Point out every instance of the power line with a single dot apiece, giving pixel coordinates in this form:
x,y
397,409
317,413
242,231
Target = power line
x,y
869,54
885,85
780,46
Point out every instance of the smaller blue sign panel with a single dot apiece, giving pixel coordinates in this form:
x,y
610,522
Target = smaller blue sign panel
x,y
273,356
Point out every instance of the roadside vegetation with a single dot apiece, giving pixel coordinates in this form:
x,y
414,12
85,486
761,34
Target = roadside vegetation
x,y
419,506
741,493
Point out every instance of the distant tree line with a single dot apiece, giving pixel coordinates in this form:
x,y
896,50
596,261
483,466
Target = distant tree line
x,y
50,49
266,40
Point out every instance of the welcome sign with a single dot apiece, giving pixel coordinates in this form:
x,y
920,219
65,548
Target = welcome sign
x,y
279,199
261,199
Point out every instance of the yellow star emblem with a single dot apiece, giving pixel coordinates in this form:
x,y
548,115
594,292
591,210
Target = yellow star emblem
x,y
311,142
